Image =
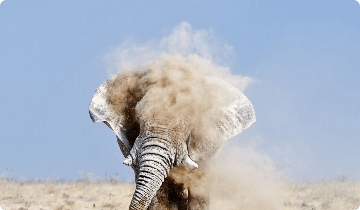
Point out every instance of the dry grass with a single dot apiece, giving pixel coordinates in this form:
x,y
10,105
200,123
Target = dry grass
x,y
114,194
62,195
321,195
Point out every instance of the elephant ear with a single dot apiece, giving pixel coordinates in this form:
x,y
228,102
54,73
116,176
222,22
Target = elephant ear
x,y
235,116
114,104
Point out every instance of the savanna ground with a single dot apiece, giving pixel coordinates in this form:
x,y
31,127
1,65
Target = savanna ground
x,y
110,193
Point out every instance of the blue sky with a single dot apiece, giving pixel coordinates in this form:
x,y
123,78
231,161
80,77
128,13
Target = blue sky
x,y
304,56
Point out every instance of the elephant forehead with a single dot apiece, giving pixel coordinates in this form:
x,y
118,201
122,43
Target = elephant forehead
x,y
156,140
157,129
176,129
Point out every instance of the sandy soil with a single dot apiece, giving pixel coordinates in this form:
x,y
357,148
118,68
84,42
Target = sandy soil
x,y
60,195
332,195
114,194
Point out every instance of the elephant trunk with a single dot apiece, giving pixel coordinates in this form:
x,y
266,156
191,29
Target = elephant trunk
x,y
155,161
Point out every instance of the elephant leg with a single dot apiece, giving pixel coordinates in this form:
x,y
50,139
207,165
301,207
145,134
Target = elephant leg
x,y
161,199
197,202
178,196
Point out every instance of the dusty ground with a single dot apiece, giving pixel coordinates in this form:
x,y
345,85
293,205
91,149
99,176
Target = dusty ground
x,y
332,195
114,194
60,195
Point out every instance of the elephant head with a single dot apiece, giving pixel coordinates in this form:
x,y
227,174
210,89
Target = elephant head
x,y
155,137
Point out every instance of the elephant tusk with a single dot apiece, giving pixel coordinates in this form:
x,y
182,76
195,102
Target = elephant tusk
x,y
128,161
189,163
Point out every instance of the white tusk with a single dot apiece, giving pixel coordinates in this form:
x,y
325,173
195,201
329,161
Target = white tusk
x,y
189,163
128,161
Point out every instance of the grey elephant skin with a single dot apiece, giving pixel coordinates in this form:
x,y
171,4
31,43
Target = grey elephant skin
x,y
158,146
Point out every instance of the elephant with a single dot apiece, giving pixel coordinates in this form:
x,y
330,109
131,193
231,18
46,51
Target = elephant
x,y
163,145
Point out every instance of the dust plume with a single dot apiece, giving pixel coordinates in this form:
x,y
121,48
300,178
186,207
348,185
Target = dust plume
x,y
173,74
185,42
244,179
239,178
167,82
177,92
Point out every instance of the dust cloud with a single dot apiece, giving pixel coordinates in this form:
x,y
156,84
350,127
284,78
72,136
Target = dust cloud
x,y
239,178
171,72
172,75
184,42
174,92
